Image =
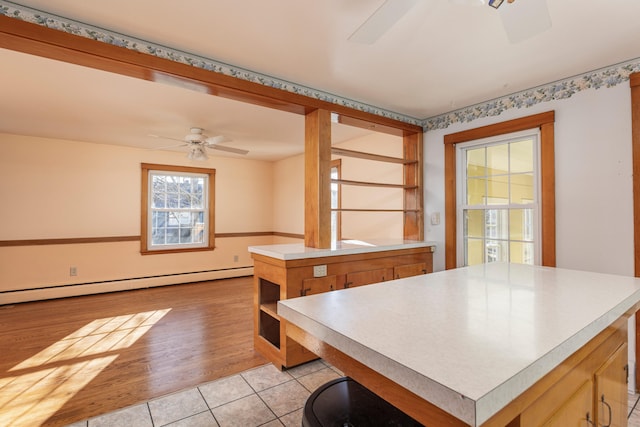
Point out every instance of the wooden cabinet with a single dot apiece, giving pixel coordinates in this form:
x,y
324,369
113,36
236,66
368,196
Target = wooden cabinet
x,y
409,270
610,399
277,279
367,277
592,393
576,411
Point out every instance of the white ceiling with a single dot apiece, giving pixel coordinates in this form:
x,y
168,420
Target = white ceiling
x,y
439,57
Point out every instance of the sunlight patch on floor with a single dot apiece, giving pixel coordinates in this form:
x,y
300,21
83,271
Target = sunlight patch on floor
x,y
43,383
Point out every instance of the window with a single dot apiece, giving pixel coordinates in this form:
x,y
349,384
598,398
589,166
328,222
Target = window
x,y
177,209
544,122
498,201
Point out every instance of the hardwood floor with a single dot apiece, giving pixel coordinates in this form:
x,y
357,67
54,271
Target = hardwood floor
x,y
70,359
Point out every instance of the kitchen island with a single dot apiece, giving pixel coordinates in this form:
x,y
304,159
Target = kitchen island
x,y
496,344
292,270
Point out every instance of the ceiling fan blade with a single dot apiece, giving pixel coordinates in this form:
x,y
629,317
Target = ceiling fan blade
x,y
525,19
169,146
164,137
213,140
228,149
381,20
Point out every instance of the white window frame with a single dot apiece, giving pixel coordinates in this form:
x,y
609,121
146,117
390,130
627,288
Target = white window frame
x,y
208,176
461,190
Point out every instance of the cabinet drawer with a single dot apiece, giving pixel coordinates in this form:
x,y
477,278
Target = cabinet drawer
x,y
367,277
318,285
409,270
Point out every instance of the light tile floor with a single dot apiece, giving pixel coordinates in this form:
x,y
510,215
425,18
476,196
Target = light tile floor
x,y
263,396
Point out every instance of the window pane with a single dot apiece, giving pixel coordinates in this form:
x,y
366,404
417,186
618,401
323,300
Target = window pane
x,y
498,159
476,191
474,252
172,184
172,235
475,162
474,223
521,224
497,223
521,253
497,251
522,156
173,200
522,188
498,190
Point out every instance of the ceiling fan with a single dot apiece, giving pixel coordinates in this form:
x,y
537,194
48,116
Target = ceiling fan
x,y
198,143
520,21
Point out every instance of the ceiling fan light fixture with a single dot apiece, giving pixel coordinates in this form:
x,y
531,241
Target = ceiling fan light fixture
x,y
495,3
197,152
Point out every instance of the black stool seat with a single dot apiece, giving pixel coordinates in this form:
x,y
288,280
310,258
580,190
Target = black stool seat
x,y
346,403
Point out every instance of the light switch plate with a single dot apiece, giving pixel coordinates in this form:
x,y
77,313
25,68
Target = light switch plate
x,y
435,218
319,270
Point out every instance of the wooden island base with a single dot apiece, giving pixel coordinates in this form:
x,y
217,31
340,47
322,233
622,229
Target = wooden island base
x,y
578,392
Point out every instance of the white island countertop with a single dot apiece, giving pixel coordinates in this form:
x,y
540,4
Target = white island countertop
x,y
468,340
290,251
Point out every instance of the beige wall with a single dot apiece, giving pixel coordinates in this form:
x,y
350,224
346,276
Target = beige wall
x,y
288,195
56,189
60,189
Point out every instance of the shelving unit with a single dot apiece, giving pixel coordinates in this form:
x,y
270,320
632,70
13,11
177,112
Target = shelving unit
x,y
411,176
277,279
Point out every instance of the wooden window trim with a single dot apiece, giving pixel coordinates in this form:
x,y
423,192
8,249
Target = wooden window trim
x,y
543,121
634,82
144,204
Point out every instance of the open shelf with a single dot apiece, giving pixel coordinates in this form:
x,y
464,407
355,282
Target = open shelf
x,y
271,309
270,328
268,320
373,210
269,292
371,184
370,156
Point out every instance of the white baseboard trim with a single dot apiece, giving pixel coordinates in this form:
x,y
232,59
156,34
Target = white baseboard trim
x,y
11,297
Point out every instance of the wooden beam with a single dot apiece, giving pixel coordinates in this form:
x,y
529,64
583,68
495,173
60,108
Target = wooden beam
x,y
317,179
46,42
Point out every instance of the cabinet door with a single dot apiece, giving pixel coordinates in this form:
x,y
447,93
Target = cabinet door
x,y
318,285
367,277
409,270
576,411
611,390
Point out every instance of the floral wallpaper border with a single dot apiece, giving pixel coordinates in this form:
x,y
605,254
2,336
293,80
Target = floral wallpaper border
x,y
562,89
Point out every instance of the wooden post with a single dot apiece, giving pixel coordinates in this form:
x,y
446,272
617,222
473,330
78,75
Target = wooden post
x,y
317,178
634,82
413,200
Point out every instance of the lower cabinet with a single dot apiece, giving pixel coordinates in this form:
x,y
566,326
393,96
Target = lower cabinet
x,y
367,277
610,399
277,279
593,393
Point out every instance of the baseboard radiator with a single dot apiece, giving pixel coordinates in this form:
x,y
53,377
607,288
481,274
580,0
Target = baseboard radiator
x,y
77,289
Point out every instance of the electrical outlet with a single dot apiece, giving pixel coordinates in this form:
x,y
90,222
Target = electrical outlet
x,y
73,271
235,258
319,270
